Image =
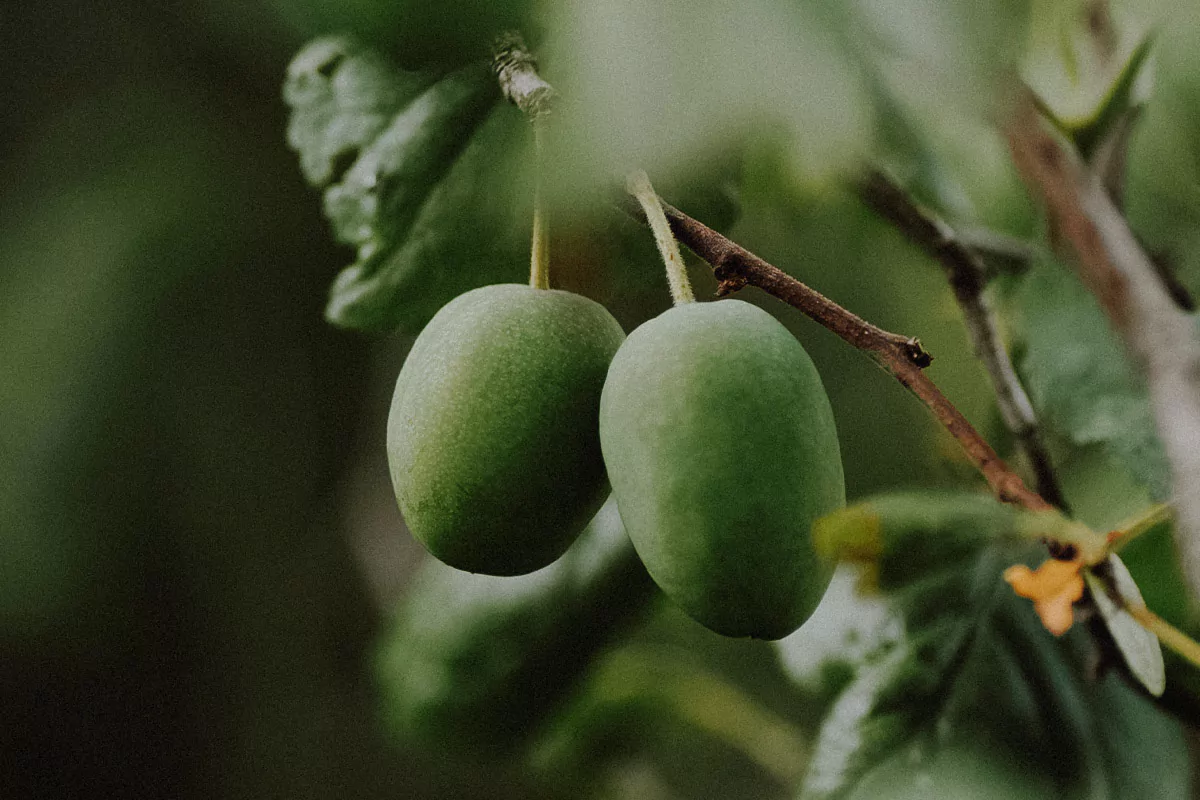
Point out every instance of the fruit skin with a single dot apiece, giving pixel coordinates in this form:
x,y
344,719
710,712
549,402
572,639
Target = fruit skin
x,y
721,448
492,436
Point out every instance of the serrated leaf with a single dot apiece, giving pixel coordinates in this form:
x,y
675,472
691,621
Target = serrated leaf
x,y
1138,646
375,204
1079,378
472,229
975,680
341,95
388,147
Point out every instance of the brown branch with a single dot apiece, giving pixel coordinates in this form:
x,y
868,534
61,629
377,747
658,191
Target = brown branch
x,y
735,266
967,278
1109,260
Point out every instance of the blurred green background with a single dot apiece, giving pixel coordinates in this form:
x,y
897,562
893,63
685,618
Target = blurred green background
x,y
199,550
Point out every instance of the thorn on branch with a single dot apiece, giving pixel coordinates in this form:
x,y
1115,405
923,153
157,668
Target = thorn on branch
x,y
918,354
729,281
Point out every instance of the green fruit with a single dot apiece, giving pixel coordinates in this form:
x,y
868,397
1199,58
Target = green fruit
x,y
721,448
492,436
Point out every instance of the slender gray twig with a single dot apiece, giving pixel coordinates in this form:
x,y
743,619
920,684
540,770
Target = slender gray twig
x,y
1001,253
966,275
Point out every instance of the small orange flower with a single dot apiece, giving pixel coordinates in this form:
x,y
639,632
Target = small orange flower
x,y
1052,587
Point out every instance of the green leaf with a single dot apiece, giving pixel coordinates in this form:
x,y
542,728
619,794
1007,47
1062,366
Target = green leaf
x,y
652,693
1088,75
416,31
1111,591
1128,91
907,533
480,660
342,96
471,230
977,699
419,176
1078,376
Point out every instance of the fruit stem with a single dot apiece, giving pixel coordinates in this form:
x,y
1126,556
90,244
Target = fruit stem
x,y
539,251
1068,539
638,185
1134,527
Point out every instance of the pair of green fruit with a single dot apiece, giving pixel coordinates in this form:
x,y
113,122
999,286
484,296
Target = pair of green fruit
x,y
515,404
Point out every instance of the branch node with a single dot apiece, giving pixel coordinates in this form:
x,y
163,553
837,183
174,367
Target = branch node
x,y
516,71
1061,551
916,353
729,281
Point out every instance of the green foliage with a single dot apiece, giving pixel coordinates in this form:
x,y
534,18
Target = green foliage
x,y
721,448
478,662
342,96
1079,377
943,683
1088,71
896,532
976,699
432,182
493,437
417,33
701,732
420,175
1154,564
189,568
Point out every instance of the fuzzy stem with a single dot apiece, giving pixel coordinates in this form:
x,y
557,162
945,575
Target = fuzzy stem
x,y
1134,527
638,185
539,250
